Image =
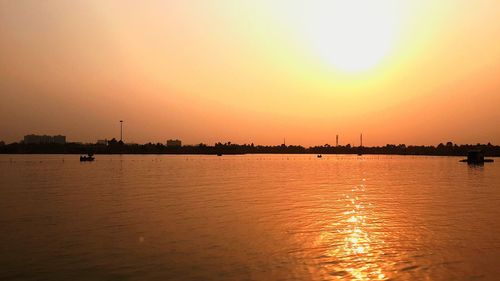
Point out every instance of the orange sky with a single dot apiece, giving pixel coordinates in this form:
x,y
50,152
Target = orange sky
x,y
415,72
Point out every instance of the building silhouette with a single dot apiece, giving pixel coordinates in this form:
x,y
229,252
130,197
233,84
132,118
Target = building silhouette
x,y
174,143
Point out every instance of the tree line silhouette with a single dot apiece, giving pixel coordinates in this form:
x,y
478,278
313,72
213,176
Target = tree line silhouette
x,y
118,147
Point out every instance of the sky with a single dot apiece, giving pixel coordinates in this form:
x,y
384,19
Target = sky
x,y
415,72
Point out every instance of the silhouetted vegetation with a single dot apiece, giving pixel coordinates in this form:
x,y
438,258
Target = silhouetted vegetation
x,y
118,147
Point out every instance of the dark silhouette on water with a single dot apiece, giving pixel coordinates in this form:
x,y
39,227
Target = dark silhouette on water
x,y
476,157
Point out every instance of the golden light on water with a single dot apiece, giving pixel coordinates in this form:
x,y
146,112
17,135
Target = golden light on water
x,y
361,250
253,217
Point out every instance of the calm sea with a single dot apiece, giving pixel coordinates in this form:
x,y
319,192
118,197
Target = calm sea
x,y
250,217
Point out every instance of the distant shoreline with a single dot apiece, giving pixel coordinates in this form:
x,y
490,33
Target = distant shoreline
x,y
242,154
448,149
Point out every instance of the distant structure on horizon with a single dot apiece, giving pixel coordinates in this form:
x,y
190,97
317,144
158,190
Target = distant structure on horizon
x,y
337,140
102,142
121,130
44,139
174,143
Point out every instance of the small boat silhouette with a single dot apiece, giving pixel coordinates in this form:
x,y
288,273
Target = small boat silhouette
x,y
319,156
219,154
89,157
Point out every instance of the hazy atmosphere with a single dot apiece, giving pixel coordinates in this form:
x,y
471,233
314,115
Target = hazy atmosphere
x,y
415,72
222,140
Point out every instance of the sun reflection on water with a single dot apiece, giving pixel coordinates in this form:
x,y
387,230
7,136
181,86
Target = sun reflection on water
x,y
355,242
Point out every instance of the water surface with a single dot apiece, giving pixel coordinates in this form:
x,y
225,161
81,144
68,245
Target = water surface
x,y
250,217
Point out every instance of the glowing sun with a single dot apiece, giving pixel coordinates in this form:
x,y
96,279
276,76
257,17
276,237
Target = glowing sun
x,y
352,35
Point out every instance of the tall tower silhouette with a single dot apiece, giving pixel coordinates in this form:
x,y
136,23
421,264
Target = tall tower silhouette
x,y
121,130
337,140
361,140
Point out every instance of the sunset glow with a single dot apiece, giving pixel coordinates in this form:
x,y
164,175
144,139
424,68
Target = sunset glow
x,y
249,140
415,72
351,35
